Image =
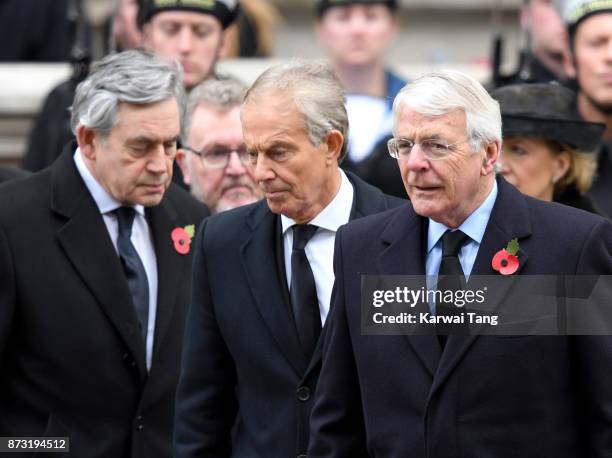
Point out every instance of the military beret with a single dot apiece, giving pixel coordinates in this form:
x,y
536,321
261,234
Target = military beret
x,y
224,10
575,11
323,5
546,110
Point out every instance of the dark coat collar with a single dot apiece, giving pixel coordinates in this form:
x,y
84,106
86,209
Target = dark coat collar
x,y
261,267
87,244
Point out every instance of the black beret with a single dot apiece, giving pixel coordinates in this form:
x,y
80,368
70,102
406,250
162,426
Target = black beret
x,y
224,10
323,5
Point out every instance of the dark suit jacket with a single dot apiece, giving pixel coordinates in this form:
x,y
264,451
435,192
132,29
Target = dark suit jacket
x,y
242,362
71,360
601,191
488,396
11,173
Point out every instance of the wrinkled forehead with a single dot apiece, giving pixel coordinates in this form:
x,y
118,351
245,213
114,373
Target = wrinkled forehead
x,y
411,123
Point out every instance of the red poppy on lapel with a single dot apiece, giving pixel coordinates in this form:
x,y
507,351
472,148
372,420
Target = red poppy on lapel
x,y
181,236
506,261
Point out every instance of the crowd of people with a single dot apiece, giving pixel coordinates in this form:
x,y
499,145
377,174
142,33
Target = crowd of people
x,y
182,264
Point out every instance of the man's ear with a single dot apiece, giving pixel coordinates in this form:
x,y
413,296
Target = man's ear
x,y
491,155
228,47
181,160
147,41
88,141
334,140
569,63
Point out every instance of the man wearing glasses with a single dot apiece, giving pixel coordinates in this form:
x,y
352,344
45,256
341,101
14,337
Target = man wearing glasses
x,y
213,158
461,395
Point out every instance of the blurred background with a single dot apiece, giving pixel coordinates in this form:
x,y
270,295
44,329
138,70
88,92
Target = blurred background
x,y
460,34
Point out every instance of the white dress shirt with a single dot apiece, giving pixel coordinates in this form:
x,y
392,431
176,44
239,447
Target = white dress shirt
x,y
141,239
320,248
474,227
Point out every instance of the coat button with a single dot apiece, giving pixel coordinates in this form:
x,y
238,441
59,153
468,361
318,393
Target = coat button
x,y
303,393
129,360
139,425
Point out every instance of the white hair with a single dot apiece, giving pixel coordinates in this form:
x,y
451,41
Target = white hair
x,y
439,93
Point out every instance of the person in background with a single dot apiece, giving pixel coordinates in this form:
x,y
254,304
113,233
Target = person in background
x,y
213,157
125,33
356,35
254,31
548,150
589,61
546,42
34,31
191,33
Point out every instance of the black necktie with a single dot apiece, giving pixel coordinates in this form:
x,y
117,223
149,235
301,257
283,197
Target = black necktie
x,y
303,291
450,277
132,265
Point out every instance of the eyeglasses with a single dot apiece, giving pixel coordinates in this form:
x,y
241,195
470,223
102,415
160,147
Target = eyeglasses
x,y
400,148
217,157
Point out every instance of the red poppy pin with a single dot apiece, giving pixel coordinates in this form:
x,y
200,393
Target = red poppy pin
x,y
506,261
181,236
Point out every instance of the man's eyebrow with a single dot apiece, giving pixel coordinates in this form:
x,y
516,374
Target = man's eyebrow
x,y
142,139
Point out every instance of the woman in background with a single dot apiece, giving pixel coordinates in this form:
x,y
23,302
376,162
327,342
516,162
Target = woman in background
x,y
548,150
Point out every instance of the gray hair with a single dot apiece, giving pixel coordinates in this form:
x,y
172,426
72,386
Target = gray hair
x,y
439,93
316,93
134,76
219,94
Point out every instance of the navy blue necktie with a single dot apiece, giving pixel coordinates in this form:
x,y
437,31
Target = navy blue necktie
x,y
450,278
132,266
303,290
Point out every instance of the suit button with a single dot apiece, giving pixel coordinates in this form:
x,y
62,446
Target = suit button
x,y
303,393
301,456
139,425
129,360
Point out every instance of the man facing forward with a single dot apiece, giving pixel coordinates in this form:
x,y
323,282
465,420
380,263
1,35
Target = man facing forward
x,y
467,395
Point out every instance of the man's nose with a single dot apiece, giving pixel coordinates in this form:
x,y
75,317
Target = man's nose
x,y
261,169
416,160
235,166
158,161
185,40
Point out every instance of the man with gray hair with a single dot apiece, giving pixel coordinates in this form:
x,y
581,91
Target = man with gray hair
x,y
263,274
95,272
213,158
457,394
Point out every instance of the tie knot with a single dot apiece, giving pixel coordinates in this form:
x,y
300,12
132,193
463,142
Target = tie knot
x,y
452,242
125,218
302,233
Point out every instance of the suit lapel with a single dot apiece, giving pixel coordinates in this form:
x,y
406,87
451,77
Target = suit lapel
x,y
367,200
404,239
509,219
171,266
89,248
267,288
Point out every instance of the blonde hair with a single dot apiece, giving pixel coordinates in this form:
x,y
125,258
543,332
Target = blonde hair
x,y
581,171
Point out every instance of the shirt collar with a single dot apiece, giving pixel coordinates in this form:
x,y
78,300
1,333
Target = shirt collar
x,y
103,199
474,226
335,214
